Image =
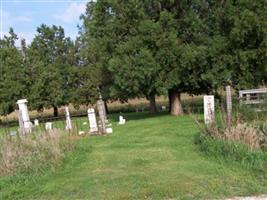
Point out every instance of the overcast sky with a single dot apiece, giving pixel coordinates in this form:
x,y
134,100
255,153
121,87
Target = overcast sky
x,y
26,15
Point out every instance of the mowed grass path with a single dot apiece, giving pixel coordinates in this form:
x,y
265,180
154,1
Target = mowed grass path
x,y
151,157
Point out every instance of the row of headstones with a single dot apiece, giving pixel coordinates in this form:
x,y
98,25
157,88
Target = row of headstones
x,y
100,127
95,127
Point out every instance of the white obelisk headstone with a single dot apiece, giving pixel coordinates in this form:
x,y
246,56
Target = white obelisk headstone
x,y
209,115
68,120
92,120
24,115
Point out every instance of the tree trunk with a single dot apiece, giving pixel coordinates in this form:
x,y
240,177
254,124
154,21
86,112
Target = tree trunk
x,y
176,105
152,103
55,111
169,97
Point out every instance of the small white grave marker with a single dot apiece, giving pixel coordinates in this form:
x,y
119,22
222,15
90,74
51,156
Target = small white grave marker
x,y
121,120
81,133
36,122
163,107
49,126
109,130
92,120
13,133
209,115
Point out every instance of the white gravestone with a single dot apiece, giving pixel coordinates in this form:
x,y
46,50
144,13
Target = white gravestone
x,y
121,120
81,133
109,130
36,122
49,126
92,120
23,111
209,115
68,121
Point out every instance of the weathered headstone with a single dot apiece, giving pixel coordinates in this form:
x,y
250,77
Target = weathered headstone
x,y
13,133
102,115
92,120
68,120
109,130
48,126
81,133
121,120
209,115
23,115
36,122
21,125
229,104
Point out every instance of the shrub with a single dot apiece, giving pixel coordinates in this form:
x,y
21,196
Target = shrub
x,y
33,153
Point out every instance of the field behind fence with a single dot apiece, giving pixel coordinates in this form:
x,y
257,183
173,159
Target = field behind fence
x,y
9,124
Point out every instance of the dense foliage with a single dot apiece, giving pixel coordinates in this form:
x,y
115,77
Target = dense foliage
x,y
132,48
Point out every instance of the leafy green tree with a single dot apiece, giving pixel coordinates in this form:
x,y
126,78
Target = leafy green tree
x,y
50,59
97,44
129,64
181,46
12,77
242,26
84,79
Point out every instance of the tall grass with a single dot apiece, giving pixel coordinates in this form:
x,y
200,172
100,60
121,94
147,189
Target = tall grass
x,y
244,141
33,153
233,151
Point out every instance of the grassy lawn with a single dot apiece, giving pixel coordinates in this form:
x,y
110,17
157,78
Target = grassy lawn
x,y
151,157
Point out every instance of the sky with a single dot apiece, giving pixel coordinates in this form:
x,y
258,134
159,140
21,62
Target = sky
x,y
24,16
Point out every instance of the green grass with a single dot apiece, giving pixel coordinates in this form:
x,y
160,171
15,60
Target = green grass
x,y
151,157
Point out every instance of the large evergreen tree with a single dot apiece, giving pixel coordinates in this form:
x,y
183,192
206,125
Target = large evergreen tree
x,y
12,77
49,63
242,26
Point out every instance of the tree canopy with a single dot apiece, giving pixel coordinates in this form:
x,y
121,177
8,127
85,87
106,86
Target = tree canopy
x,y
48,67
128,49
12,85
